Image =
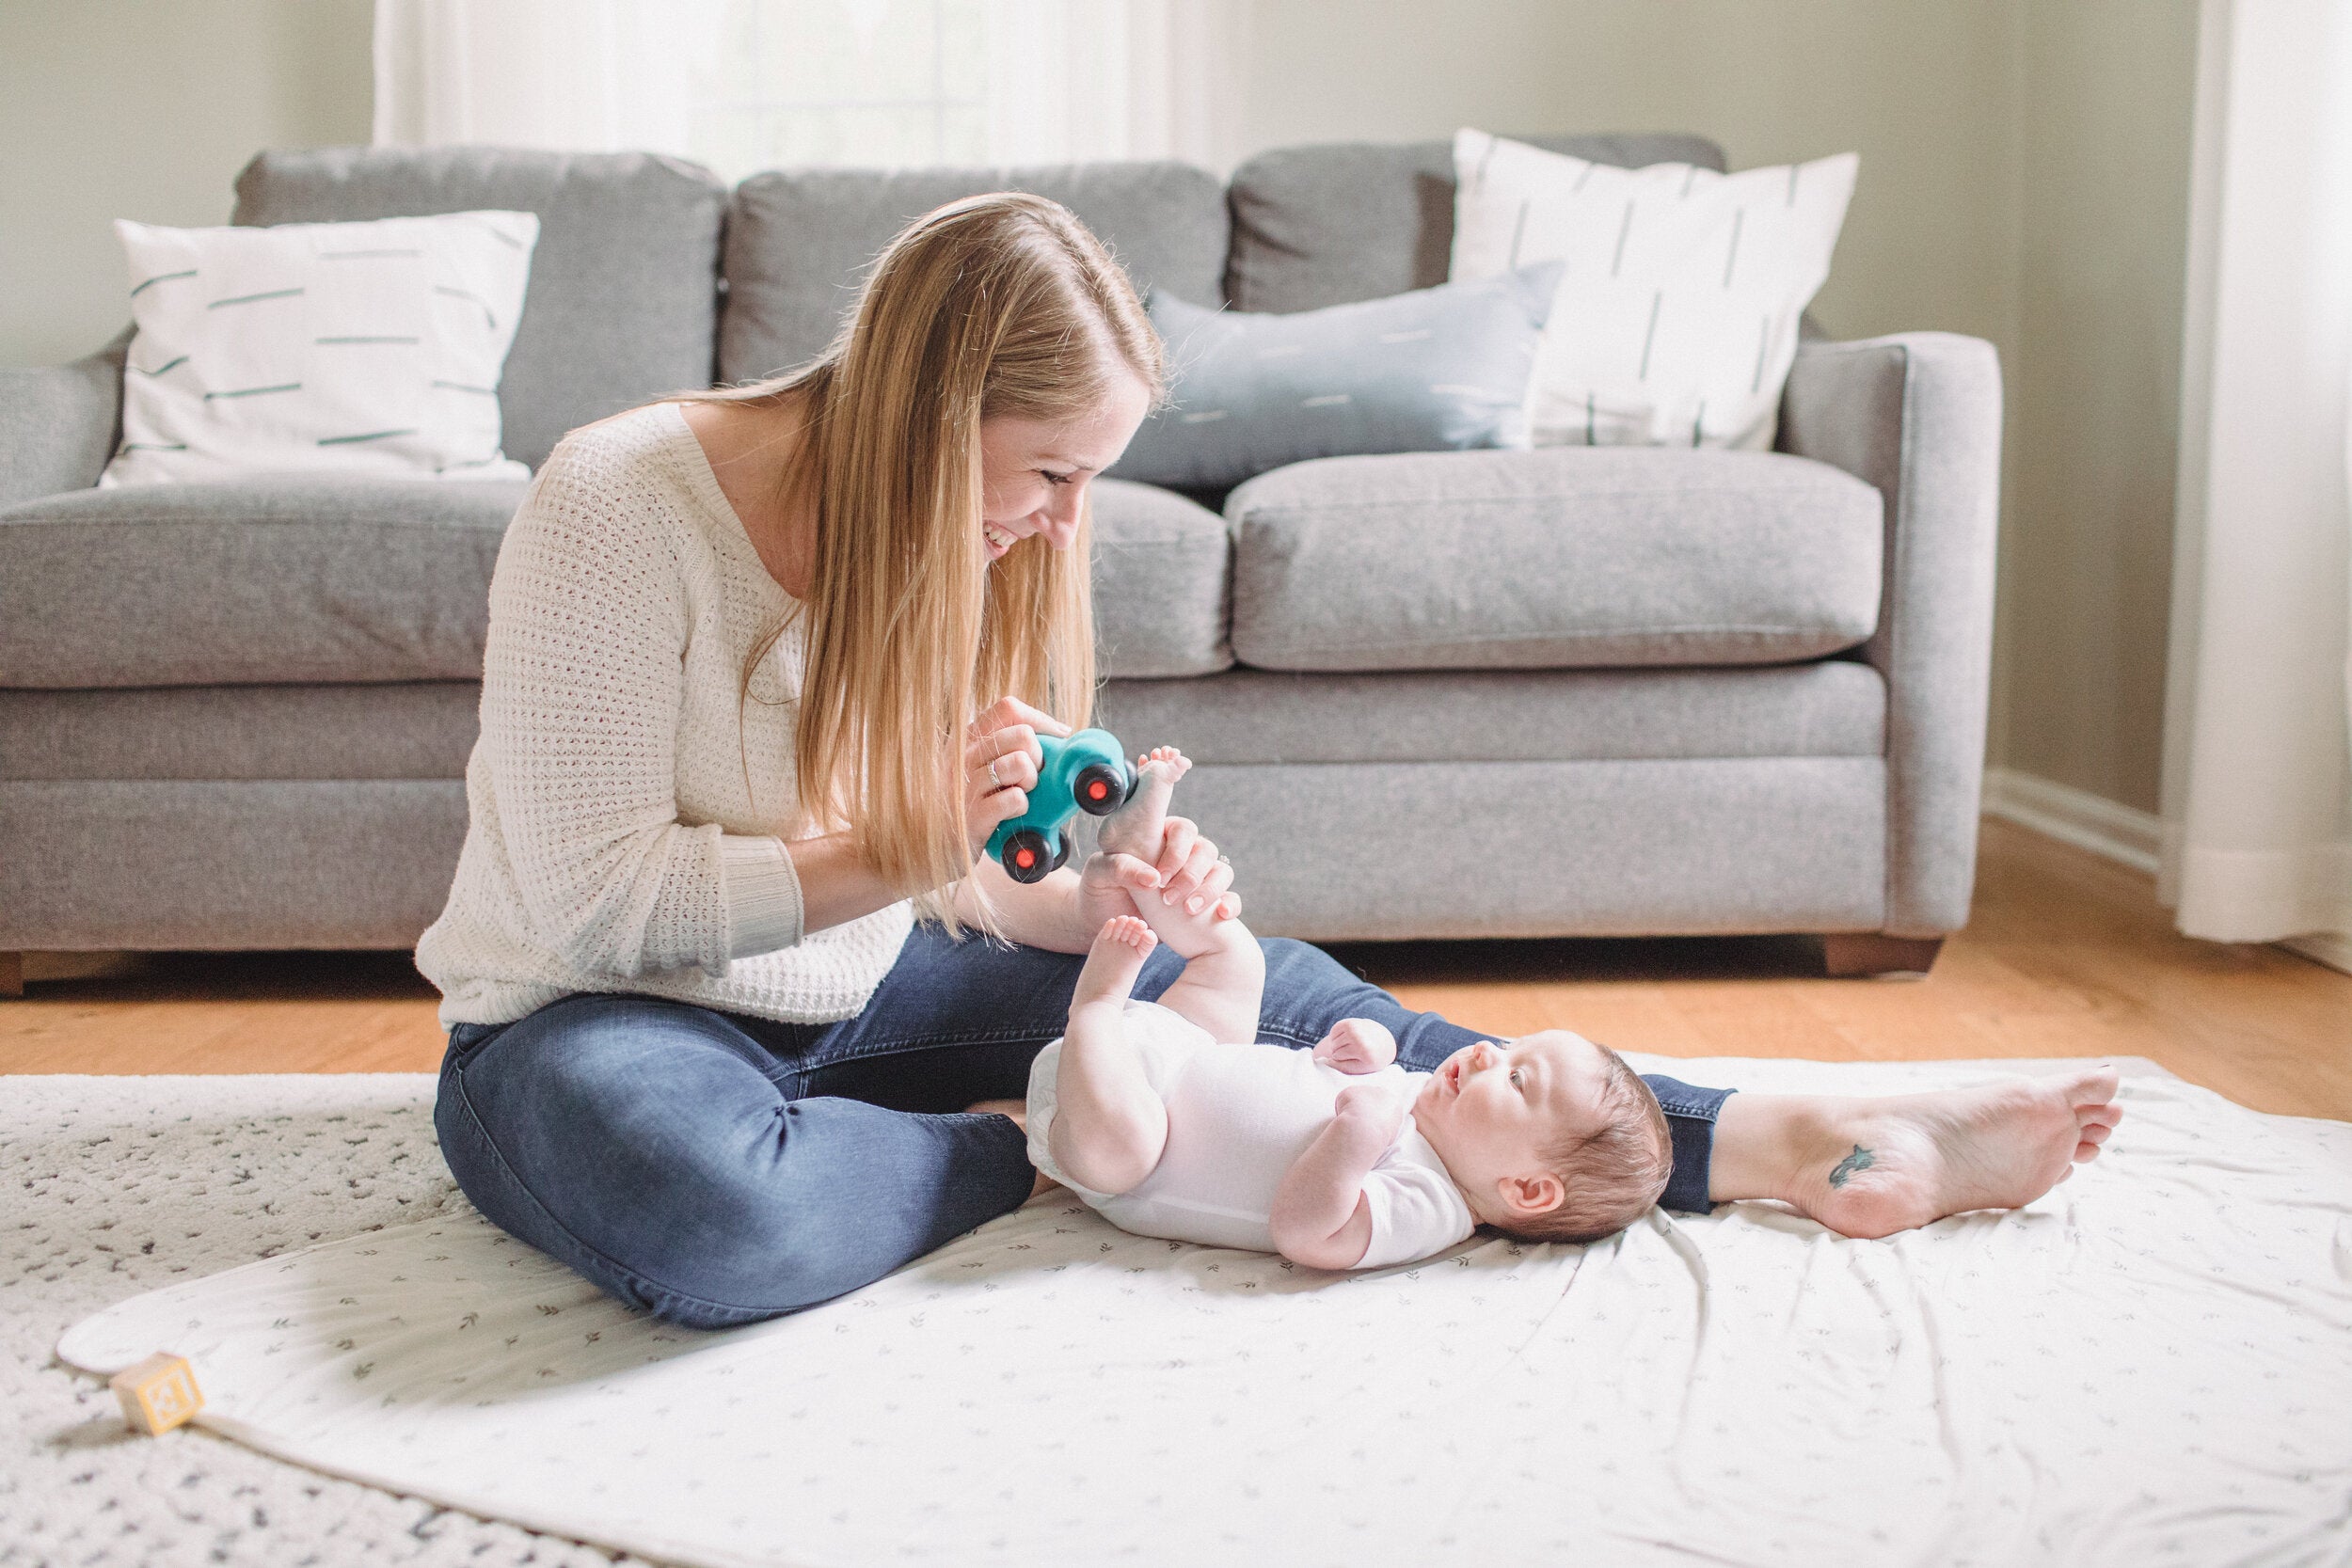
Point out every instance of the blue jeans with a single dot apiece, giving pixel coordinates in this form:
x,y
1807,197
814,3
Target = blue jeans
x,y
715,1169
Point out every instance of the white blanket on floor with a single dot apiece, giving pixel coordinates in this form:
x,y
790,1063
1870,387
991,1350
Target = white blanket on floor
x,y
2152,1364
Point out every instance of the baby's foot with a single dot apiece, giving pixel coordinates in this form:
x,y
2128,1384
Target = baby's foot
x,y
1114,961
1136,827
1888,1164
1356,1045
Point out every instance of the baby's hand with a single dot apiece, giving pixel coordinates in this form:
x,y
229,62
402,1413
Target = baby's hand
x,y
1373,1112
1356,1045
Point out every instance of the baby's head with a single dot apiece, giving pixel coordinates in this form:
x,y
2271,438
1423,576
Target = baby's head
x,y
1552,1139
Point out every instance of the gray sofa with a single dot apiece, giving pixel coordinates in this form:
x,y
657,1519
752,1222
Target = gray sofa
x,y
1466,694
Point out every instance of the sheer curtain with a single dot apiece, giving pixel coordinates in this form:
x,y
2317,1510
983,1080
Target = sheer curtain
x,y
576,75
2257,724
1077,79
744,85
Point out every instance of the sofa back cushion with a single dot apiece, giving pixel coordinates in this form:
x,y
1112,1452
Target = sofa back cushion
x,y
622,300
800,241
1318,226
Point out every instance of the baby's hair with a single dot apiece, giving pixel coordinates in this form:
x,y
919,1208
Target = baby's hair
x,y
1612,1175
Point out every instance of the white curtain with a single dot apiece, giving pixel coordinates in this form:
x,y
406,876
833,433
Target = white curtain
x,y
1065,80
574,75
2258,763
1071,80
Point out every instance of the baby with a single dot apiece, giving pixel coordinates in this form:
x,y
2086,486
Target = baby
x,y
1170,1121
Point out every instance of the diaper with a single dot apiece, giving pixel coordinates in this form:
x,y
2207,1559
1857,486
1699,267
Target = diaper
x,y
1160,1038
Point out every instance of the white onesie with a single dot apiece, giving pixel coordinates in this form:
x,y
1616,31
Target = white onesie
x,y
1238,1117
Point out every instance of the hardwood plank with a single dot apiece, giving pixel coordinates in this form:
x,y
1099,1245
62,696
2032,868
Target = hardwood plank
x,y
222,1012
2066,955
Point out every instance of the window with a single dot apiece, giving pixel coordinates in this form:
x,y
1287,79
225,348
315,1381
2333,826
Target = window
x,y
890,83
750,84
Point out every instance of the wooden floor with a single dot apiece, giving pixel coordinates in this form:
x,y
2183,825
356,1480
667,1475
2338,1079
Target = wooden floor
x,y
2067,955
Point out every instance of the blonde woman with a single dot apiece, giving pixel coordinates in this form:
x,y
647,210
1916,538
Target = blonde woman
x,y
724,971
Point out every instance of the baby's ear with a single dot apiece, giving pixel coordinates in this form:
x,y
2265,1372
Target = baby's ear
x,y
1525,1197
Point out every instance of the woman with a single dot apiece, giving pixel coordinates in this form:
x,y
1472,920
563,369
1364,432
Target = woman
x,y
766,667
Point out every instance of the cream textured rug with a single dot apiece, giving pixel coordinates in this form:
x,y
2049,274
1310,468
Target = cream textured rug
x,y
2150,1365
114,1187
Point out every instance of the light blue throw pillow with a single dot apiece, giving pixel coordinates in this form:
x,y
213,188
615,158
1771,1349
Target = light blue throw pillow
x,y
1436,370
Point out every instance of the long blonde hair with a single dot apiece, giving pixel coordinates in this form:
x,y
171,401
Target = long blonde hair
x,y
994,304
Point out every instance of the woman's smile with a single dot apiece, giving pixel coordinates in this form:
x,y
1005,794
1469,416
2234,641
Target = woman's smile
x,y
999,539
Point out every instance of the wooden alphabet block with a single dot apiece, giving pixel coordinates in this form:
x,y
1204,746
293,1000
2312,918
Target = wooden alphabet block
x,y
158,1394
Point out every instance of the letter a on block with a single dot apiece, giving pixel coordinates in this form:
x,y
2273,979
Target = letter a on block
x,y
158,1394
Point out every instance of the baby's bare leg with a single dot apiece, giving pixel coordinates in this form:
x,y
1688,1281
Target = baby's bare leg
x,y
1134,828
1224,977
1223,968
1109,1124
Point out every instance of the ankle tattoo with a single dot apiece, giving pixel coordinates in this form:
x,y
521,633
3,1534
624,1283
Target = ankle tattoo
x,y
1861,1159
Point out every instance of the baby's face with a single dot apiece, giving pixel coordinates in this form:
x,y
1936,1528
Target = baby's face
x,y
1491,1110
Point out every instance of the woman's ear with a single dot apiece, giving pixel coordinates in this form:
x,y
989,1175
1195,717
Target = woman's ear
x,y
1526,1197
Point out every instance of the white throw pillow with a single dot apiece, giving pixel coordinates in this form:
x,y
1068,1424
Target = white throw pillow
x,y
370,348
1676,321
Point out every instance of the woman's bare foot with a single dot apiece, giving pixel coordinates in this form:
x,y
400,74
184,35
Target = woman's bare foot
x,y
1871,1167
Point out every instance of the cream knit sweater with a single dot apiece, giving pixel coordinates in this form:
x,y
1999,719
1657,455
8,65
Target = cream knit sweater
x,y
623,801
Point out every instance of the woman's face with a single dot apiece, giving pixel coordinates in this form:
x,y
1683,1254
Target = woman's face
x,y
1034,473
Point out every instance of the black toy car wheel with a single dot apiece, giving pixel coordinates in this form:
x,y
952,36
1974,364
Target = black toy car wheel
x,y
1030,857
1102,789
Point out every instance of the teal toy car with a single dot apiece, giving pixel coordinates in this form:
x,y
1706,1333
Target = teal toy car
x,y
1088,773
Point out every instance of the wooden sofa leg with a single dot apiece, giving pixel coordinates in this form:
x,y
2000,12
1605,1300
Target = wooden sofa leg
x,y
1856,954
12,973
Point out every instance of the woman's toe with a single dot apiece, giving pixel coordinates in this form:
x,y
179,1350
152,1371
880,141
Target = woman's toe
x,y
2093,1086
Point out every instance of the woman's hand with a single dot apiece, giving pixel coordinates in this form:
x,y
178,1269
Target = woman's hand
x,y
1000,764
1191,872
1201,879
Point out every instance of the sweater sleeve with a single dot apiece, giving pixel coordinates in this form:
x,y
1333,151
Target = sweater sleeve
x,y
583,684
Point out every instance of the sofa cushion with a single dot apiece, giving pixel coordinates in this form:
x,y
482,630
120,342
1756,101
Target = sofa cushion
x,y
274,579
1317,226
622,300
383,729
290,580
1162,567
1553,559
1832,708
800,241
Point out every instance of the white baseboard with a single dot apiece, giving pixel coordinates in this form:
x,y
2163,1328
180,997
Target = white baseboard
x,y
2124,834
2121,833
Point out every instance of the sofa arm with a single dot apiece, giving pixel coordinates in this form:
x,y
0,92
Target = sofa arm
x,y
1920,417
59,425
